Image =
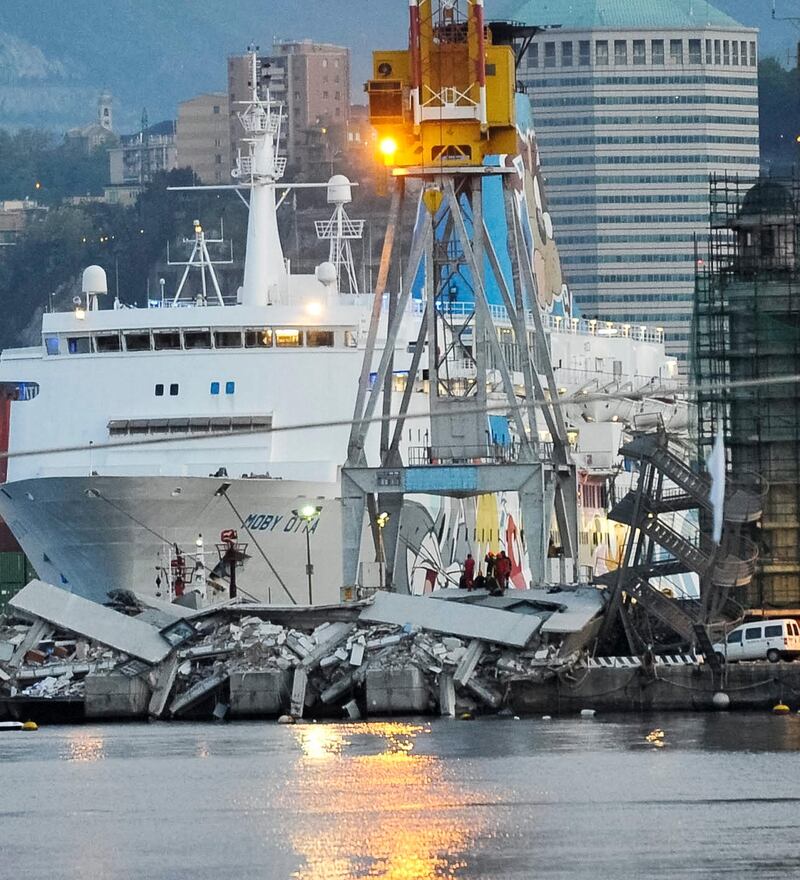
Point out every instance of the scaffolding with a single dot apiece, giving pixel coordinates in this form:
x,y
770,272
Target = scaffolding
x,y
746,326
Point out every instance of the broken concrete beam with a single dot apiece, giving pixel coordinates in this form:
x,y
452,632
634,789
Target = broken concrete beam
x,y
6,651
483,693
396,690
115,696
164,684
204,651
299,685
328,639
338,688
38,631
352,710
197,693
330,660
469,662
386,641
357,654
260,693
447,696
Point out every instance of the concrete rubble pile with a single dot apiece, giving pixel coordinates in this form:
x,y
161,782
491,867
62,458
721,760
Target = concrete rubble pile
x,y
337,659
45,663
395,654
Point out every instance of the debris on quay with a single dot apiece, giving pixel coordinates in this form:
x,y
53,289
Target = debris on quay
x,y
452,653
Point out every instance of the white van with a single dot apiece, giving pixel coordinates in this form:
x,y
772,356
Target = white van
x,y
771,639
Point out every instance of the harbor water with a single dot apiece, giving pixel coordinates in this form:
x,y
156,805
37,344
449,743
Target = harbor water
x,y
605,797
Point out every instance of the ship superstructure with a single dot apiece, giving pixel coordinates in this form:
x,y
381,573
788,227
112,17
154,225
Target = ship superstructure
x,y
158,428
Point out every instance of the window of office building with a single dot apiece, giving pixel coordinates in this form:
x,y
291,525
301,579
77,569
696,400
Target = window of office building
x,y
695,53
601,53
533,55
584,53
657,51
549,54
752,54
566,54
743,46
709,56
676,51
717,52
620,51
726,52
639,52
735,52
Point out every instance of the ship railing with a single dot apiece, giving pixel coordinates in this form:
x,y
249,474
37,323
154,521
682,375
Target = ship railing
x,y
488,453
556,323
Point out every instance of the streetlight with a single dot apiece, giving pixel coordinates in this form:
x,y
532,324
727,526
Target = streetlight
x,y
380,521
308,513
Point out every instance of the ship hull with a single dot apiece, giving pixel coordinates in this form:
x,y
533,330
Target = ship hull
x,y
96,534
92,535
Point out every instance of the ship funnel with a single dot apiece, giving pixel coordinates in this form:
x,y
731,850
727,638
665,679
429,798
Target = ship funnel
x,y
94,281
339,192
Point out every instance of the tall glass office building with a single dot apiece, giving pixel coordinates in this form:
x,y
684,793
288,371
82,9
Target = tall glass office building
x,y
635,103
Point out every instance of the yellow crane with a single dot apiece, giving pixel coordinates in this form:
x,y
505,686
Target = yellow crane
x,y
448,99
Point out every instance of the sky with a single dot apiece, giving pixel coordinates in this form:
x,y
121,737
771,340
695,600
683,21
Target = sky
x,y
155,53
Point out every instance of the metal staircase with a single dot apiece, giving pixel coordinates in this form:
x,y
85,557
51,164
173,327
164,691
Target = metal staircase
x,y
654,548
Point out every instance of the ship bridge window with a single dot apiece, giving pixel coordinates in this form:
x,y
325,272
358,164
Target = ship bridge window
x,y
137,341
196,339
350,339
288,337
105,342
79,344
319,338
228,338
51,345
258,337
166,340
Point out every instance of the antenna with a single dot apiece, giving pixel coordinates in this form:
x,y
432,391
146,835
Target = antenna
x,y
340,230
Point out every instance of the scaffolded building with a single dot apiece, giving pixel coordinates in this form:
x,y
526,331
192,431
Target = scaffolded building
x,y
746,338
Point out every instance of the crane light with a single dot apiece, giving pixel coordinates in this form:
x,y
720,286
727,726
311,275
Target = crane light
x,y
388,147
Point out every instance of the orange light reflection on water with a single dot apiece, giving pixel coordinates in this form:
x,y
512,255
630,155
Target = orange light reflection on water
x,y
85,746
390,815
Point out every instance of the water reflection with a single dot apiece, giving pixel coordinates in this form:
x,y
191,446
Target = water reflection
x,y
388,811
85,746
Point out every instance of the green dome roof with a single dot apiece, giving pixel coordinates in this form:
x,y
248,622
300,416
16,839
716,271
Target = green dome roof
x,y
584,14
767,197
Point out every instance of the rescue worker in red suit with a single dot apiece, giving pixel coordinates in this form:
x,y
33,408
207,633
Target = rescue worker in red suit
x,y
469,572
502,570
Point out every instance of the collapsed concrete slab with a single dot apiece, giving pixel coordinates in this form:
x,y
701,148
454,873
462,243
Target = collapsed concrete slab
x,y
467,621
81,616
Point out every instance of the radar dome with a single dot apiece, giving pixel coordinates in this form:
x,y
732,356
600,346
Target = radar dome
x,y
94,280
339,190
326,273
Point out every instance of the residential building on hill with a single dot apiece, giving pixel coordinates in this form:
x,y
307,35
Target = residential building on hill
x,y
635,104
313,82
202,137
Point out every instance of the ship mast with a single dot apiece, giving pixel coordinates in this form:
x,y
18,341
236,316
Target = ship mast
x,y
258,168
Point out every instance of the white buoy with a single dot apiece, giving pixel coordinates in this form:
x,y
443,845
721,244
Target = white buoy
x,y
721,700
587,713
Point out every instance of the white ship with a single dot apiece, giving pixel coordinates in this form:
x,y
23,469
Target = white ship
x,y
157,429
